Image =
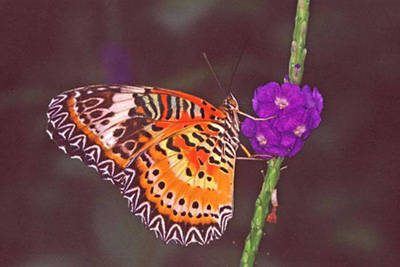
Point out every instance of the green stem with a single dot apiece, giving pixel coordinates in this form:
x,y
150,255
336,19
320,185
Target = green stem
x,y
260,214
298,50
296,69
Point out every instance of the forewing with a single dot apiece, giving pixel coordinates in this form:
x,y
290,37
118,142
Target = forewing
x,y
106,126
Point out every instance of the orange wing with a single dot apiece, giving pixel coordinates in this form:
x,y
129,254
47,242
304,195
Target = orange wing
x,y
165,150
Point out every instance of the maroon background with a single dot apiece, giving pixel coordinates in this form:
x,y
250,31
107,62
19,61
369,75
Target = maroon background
x,y
338,197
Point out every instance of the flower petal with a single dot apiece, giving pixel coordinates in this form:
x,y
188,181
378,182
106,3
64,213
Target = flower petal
x,y
280,151
268,91
266,110
298,145
319,100
249,127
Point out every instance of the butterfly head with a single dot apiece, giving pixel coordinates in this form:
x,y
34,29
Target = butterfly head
x,y
230,105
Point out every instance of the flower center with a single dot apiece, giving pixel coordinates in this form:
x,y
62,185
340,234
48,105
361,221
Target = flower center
x,y
261,139
299,130
281,102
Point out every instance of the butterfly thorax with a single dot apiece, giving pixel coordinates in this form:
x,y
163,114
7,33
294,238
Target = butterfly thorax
x,y
230,107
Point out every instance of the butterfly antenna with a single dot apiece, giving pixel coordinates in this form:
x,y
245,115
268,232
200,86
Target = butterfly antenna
x,y
212,71
237,63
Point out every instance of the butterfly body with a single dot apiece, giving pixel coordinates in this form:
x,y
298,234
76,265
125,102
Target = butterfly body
x,y
171,154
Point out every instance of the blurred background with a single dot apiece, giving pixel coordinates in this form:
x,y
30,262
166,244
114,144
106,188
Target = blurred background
x,y
338,198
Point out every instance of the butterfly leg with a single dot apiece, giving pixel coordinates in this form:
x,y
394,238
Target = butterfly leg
x,y
254,118
246,151
249,156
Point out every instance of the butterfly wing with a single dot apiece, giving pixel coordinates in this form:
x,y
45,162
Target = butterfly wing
x,y
183,186
153,143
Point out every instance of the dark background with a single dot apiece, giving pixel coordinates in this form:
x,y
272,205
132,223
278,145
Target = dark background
x,y
338,197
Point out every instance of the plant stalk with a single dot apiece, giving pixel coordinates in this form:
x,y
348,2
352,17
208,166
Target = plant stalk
x,y
260,214
296,69
298,48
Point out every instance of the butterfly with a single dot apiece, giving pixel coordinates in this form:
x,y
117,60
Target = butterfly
x,y
171,154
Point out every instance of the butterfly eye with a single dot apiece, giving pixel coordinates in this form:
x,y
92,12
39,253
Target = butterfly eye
x,y
232,103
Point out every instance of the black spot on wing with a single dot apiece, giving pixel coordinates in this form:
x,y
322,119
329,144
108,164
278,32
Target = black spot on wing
x,y
141,103
139,145
169,107
213,160
171,146
210,142
191,112
212,128
147,91
203,115
132,112
130,145
223,170
96,114
118,150
185,105
178,109
198,137
161,185
230,164
147,134
216,151
187,141
161,105
155,128
160,149
118,132
105,122
198,148
146,160
198,127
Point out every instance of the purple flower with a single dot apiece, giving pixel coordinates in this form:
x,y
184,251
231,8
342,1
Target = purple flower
x,y
264,138
272,99
314,98
292,113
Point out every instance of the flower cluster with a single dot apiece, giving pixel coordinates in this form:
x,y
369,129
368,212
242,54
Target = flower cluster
x,y
292,113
